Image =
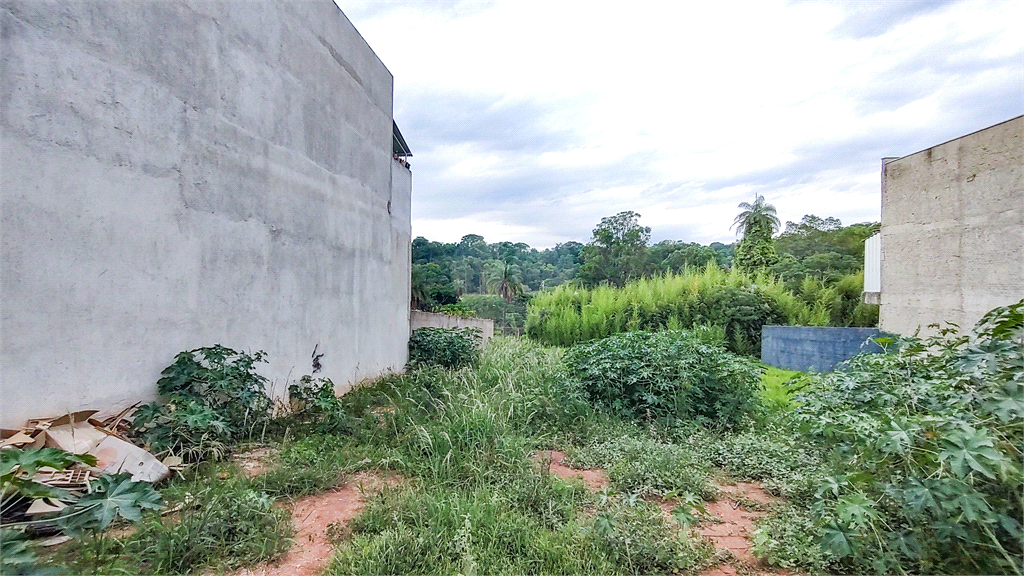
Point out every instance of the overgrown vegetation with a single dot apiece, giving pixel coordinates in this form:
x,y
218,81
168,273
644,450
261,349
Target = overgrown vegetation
x,y
903,462
212,397
931,436
445,347
668,376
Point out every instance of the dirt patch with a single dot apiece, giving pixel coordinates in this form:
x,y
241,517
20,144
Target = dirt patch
x,y
317,519
254,461
595,480
733,536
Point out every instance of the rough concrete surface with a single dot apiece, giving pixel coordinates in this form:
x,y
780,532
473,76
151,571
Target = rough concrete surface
x,y
953,230
817,348
181,174
421,319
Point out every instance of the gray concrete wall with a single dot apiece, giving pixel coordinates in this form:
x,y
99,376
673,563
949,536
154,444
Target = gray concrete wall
x,y
421,319
814,348
953,230
180,174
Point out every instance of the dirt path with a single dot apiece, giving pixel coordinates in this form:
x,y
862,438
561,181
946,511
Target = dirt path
x,y
595,480
315,516
735,531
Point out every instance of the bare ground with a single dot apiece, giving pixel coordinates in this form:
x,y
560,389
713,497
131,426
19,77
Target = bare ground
x,y
595,480
316,518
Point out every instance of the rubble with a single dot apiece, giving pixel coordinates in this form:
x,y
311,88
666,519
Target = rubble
x,y
91,432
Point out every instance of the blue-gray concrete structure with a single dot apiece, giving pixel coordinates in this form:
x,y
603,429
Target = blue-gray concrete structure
x,y
816,348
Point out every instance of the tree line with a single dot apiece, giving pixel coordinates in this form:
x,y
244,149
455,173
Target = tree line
x,y
497,279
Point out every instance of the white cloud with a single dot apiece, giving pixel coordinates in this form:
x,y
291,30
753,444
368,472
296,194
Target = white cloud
x,y
678,111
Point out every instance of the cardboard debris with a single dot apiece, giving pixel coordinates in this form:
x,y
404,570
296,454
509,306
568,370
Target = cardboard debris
x,y
22,439
45,506
77,438
82,433
72,478
114,455
53,541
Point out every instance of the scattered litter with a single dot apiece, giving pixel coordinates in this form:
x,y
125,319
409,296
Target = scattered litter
x,y
100,434
72,478
114,455
45,506
55,540
21,439
77,437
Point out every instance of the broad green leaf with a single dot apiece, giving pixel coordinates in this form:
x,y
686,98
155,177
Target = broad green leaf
x,y
970,450
838,540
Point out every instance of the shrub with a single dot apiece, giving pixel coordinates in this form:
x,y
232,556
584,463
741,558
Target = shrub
x,y
737,303
668,376
315,407
930,439
445,347
213,397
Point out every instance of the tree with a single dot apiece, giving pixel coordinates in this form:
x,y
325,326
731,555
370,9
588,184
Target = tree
x,y
756,223
757,218
617,251
502,280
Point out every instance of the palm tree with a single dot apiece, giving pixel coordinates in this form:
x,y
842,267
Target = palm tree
x,y
759,216
502,281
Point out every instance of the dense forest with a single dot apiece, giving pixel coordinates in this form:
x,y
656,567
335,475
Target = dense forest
x,y
497,280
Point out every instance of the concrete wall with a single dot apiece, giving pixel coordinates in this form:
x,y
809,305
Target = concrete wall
x,y
953,230
180,174
422,319
814,348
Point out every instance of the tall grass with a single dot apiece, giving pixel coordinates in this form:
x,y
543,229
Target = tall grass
x,y
476,503
736,303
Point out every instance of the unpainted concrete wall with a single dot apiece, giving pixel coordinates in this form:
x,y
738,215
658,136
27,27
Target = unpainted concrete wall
x,y
421,319
953,230
814,348
180,174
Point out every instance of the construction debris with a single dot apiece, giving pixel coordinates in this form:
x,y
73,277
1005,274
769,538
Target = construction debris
x,y
102,435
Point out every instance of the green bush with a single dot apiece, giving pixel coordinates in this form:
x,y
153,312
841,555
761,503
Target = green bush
x,y
314,406
666,376
445,347
737,303
213,397
929,436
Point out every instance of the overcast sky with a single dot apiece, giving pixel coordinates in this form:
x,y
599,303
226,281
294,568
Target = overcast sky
x,y
530,121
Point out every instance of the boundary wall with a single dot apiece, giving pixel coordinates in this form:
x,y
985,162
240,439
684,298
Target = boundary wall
x,y
814,348
182,174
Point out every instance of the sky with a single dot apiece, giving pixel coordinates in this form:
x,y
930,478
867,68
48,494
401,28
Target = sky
x,y
530,121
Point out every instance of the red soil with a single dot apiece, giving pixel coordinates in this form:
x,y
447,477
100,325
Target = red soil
x,y
595,480
313,517
736,529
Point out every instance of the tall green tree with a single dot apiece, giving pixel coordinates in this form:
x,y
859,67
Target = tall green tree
x,y
757,223
757,218
617,252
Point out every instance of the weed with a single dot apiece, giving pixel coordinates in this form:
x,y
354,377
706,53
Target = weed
x,y
445,347
642,465
214,397
226,524
791,538
667,376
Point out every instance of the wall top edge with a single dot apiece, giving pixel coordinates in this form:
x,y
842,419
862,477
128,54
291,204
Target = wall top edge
x,y
890,159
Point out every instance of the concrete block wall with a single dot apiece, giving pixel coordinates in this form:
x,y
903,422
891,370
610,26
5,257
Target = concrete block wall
x,y
814,348
953,230
181,174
